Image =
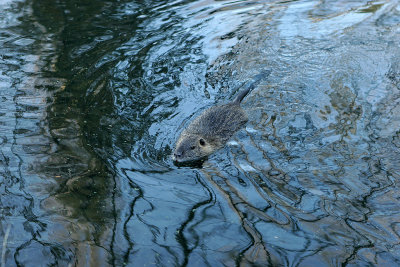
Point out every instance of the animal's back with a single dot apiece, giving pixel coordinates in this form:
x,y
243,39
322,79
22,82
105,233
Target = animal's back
x,y
219,123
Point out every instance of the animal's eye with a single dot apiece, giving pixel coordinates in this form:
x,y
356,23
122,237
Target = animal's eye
x,y
202,142
192,147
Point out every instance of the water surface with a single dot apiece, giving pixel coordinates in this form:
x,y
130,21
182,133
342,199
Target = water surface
x,y
94,94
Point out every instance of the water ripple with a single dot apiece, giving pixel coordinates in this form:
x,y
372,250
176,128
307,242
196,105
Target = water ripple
x,y
94,94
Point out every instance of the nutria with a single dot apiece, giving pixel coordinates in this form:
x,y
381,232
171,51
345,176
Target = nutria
x,y
212,128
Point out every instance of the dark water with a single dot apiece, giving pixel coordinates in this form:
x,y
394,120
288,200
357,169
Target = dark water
x,y
94,93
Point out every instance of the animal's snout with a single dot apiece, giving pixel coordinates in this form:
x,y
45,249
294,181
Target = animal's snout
x,y
178,155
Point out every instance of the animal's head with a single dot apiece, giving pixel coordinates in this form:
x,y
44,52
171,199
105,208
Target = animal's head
x,y
191,148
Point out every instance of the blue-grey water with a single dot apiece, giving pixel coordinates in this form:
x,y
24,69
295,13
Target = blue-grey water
x,y
93,95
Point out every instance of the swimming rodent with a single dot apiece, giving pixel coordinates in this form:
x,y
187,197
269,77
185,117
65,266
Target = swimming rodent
x,y
213,128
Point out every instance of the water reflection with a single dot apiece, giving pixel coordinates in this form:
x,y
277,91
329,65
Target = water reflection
x,y
94,94
26,59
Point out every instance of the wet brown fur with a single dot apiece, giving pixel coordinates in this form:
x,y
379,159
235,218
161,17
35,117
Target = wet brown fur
x,y
215,126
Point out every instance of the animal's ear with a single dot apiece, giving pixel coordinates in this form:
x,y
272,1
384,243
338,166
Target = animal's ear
x,y
202,142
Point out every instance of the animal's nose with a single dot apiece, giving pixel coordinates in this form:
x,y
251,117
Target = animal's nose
x,y
178,155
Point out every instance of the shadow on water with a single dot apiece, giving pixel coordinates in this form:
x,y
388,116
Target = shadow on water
x,y
94,94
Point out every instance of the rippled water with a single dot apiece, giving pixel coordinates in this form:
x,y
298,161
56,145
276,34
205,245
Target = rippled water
x,y
94,93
